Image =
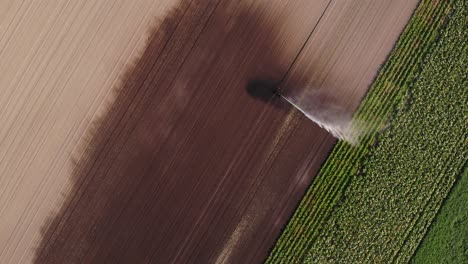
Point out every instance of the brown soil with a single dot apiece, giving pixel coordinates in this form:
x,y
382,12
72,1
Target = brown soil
x,y
194,160
171,169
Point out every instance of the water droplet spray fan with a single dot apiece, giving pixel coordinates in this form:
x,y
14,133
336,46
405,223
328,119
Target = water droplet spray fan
x,y
333,118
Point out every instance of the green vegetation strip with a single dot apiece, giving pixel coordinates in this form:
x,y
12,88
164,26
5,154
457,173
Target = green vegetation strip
x,y
374,203
447,239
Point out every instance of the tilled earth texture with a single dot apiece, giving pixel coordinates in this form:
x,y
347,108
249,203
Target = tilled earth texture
x,y
146,131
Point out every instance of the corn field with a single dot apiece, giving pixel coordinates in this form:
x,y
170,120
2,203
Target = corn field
x,y
374,203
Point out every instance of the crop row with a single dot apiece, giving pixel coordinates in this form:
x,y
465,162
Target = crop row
x,y
388,208
388,93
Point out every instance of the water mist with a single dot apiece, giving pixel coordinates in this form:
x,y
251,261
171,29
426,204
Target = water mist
x,y
325,111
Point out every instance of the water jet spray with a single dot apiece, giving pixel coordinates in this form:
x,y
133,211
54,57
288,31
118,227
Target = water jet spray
x,y
328,115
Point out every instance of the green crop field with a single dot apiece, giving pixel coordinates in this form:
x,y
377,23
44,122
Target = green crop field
x,y
447,239
375,202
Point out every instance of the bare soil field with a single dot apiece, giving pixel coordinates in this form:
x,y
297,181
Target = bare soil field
x,y
128,133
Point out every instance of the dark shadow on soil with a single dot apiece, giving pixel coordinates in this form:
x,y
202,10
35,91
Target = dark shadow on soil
x,y
262,90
